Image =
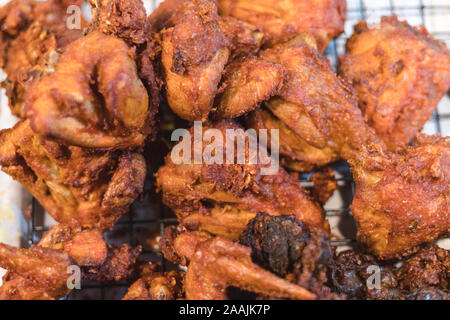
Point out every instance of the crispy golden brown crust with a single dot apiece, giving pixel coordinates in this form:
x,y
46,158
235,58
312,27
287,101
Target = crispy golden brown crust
x,y
402,200
195,49
216,263
247,83
325,184
400,73
283,20
77,186
225,192
316,112
32,34
156,285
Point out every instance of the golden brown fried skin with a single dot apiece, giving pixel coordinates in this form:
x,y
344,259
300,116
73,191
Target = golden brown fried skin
x,y
247,83
325,185
156,285
216,263
32,34
402,200
77,186
42,272
205,196
400,73
195,49
94,98
316,112
282,20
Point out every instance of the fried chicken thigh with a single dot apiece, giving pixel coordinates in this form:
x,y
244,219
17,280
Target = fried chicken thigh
x,y
195,50
400,74
282,20
217,263
222,198
316,112
32,34
77,186
402,200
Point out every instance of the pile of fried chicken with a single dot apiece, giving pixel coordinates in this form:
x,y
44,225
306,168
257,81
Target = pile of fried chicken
x,y
94,102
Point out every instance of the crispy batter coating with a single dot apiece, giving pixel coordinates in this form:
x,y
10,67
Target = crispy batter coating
x,y
402,200
77,186
316,112
351,272
41,272
94,98
208,195
216,263
400,73
281,20
156,285
325,184
31,35
195,49
247,83
430,267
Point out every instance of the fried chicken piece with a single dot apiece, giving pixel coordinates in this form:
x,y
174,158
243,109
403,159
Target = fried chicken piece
x,y
195,50
37,273
351,272
283,20
80,187
291,249
156,285
325,185
430,267
216,263
316,112
246,39
402,200
208,195
400,73
32,33
247,83
94,98
42,272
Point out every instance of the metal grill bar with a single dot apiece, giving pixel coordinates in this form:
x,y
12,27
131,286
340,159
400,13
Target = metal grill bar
x,y
157,218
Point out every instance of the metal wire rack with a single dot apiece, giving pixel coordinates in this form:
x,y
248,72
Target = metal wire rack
x,y
149,217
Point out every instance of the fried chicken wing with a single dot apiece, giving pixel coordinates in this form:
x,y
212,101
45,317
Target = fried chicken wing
x,y
205,196
77,186
400,73
32,33
195,50
283,20
316,112
156,285
248,82
402,200
42,271
216,263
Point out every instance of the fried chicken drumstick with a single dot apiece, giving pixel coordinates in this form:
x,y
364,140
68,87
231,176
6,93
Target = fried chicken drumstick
x,y
77,186
216,263
282,20
402,200
315,111
221,199
400,73
32,35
